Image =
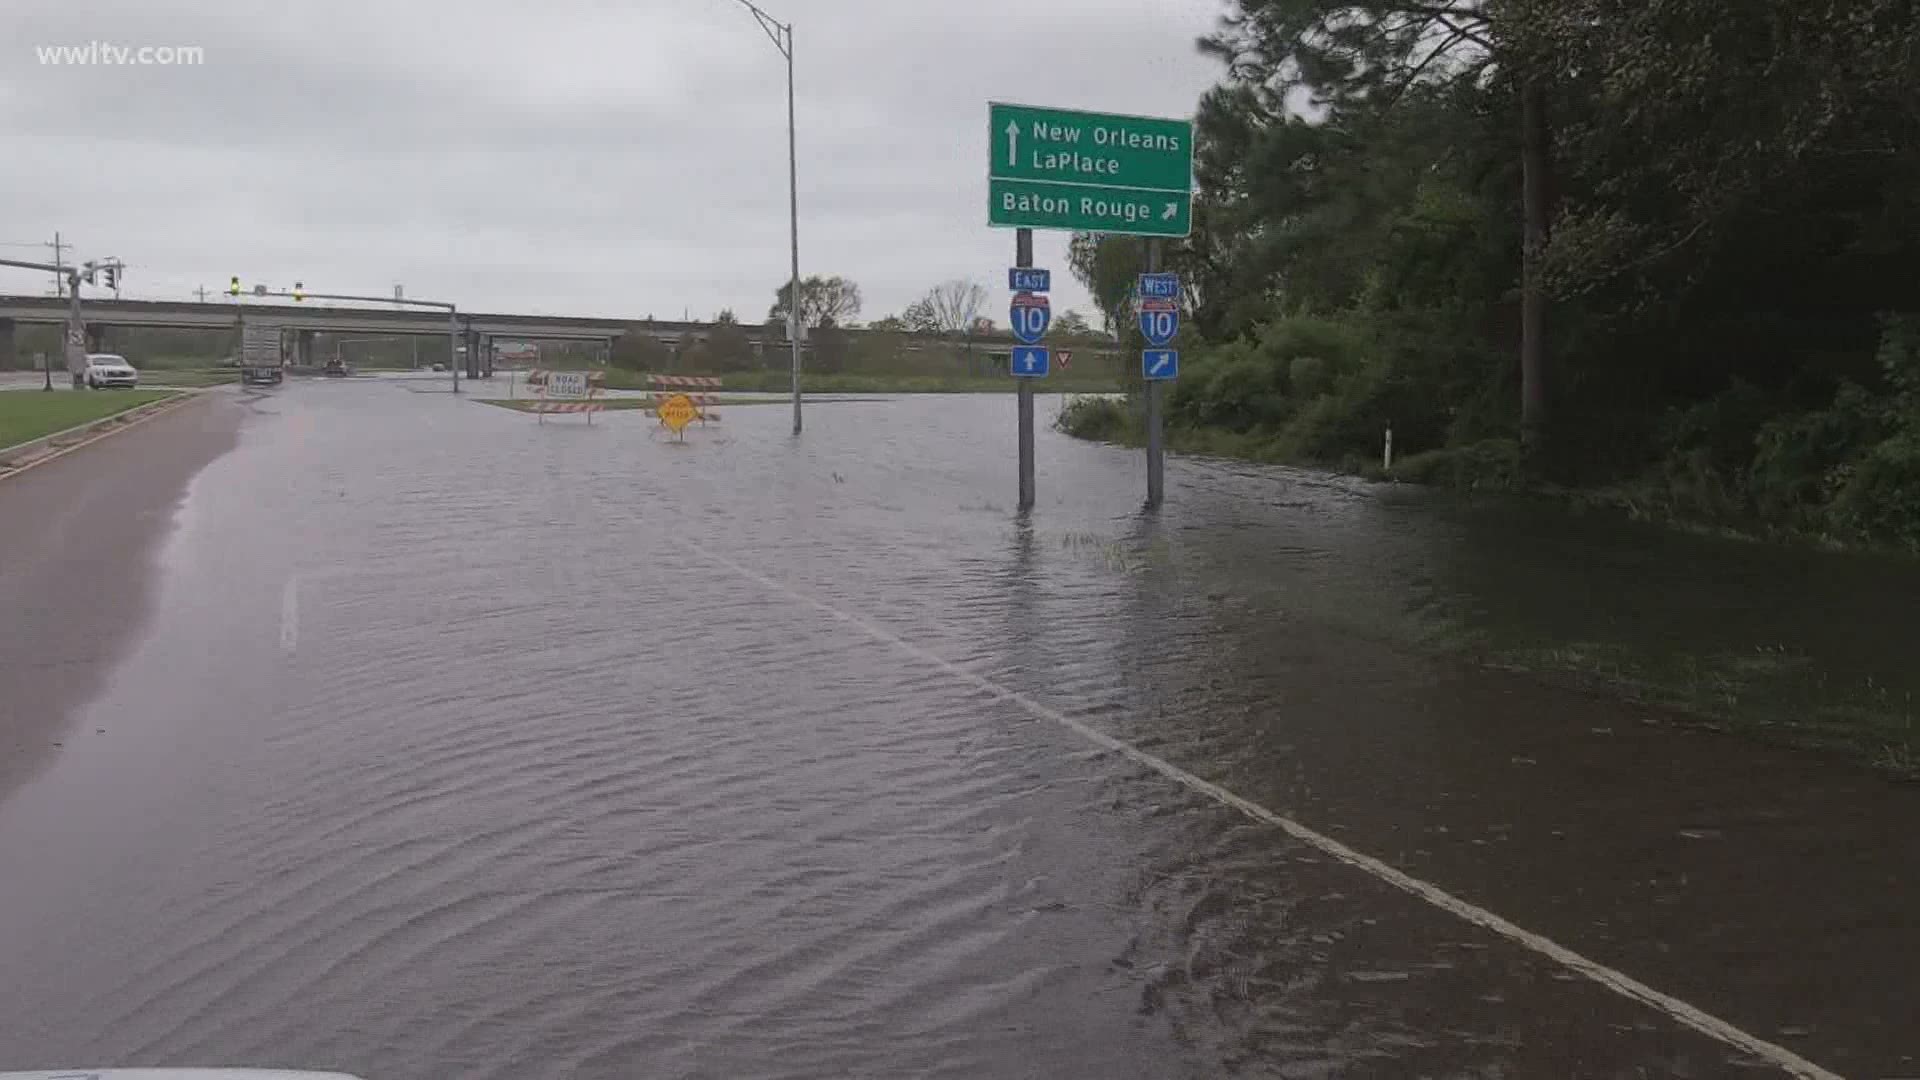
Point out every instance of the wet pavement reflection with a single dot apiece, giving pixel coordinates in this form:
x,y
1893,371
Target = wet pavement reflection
x,y
454,744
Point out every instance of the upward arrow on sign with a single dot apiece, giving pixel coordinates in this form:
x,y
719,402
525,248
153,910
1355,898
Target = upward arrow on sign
x,y
1013,143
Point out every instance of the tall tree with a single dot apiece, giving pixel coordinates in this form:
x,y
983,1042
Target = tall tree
x,y
1338,57
951,308
824,301
1071,322
919,317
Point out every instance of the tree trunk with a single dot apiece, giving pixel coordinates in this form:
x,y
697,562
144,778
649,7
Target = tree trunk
x,y
1536,167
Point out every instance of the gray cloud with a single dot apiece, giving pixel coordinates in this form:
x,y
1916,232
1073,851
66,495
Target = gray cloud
x,y
580,156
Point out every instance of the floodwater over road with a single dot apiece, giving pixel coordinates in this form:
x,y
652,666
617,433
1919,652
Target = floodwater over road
x,y
458,745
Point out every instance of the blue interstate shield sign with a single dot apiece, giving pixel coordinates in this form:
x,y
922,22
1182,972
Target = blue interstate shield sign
x,y
1030,315
1159,321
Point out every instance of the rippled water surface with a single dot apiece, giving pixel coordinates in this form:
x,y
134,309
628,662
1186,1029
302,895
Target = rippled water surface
x,y
459,745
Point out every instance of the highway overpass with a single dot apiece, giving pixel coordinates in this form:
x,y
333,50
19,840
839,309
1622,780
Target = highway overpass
x,y
478,329
305,319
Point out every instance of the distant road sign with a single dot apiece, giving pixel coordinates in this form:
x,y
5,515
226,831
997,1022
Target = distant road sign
x,y
1160,286
567,384
1160,364
1159,321
1030,315
1029,279
1096,172
677,412
1065,357
1029,361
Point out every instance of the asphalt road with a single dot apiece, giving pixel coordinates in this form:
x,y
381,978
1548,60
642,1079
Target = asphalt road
x,y
355,725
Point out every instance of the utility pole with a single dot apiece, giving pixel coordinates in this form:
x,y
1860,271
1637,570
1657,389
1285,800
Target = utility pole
x,y
201,294
76,332
59,273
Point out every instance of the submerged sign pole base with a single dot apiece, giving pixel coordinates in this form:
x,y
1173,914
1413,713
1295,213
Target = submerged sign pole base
x,y
1023,258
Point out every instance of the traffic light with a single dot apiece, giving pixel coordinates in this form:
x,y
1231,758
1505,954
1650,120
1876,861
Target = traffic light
x,y
87,274
233,287
298,289
113,276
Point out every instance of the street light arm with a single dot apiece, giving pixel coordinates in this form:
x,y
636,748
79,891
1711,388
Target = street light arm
x,y
774,29
439,305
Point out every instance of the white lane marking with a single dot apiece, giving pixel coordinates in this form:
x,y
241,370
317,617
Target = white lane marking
x,y
1619,982
290,615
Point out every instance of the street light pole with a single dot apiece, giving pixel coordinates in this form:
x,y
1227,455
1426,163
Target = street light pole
x,y
75,324
781,34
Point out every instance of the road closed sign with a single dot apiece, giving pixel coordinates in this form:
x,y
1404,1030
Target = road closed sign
x,y
567,384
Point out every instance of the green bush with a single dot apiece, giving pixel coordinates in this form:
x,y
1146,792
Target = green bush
x,y
1800,462
1880,497
1493,463
1101,419
1246,386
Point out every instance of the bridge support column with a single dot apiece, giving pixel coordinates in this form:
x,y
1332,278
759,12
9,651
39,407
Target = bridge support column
x,y
486,356
303,348
9,351
473,354
96,337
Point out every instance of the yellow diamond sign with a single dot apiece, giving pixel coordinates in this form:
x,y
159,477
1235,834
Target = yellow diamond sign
x,y
677,412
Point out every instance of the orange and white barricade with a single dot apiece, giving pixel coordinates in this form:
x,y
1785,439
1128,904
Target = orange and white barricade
x,y
694,387
566,392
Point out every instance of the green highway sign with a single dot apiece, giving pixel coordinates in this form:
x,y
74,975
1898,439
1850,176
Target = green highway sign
x,y
1096,172
1025,204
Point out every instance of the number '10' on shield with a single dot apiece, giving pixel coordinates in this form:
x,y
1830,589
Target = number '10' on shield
x,y
1029,316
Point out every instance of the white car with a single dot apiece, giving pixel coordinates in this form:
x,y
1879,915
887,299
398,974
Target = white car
x,y
106,369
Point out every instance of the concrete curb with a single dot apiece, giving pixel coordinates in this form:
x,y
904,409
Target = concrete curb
x,y
19,458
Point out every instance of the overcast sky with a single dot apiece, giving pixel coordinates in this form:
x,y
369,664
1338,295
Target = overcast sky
x,y
593,157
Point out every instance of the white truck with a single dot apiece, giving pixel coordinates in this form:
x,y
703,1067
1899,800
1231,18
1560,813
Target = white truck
x,y
260,362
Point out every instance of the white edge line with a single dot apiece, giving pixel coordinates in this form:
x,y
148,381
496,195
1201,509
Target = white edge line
x,y
1617,981
290,615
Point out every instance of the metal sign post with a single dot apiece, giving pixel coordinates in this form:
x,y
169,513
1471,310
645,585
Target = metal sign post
x,y
1159,312
1156,453
1022,259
